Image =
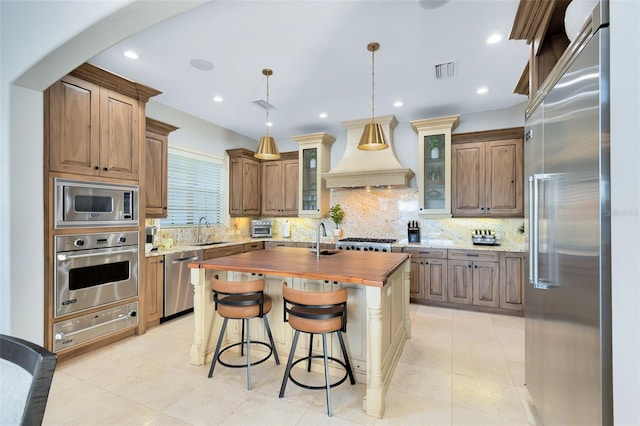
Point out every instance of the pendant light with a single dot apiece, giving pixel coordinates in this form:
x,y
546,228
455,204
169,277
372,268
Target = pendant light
x,y
267,148
373,136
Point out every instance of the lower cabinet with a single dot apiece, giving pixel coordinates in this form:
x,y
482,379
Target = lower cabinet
x,y
479,278
429,274
153,289
512,281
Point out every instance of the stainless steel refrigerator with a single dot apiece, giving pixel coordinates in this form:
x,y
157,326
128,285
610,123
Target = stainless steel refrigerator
x,y
568,296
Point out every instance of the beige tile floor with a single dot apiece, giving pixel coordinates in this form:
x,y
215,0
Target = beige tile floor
x,y
459,368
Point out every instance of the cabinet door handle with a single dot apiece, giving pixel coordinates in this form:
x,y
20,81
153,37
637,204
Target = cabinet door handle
x,y
97,168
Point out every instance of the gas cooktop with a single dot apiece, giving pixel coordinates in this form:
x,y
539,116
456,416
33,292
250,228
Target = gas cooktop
x,y
365,244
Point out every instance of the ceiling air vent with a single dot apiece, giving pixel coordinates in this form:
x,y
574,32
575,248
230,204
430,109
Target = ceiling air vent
x,y
263,104
445,70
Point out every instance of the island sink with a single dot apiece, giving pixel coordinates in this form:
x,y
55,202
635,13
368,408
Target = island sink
x,y
326,252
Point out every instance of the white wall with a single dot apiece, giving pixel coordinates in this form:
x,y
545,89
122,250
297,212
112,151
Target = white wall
x,y
197,133
625,203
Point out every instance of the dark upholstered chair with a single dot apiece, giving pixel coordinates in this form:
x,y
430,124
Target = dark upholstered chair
x,y
316,313
242,300
26,370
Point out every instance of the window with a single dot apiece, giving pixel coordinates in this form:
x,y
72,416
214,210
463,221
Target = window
x,y
195,188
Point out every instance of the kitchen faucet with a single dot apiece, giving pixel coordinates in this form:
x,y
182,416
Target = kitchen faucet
x,y
200,227
324,234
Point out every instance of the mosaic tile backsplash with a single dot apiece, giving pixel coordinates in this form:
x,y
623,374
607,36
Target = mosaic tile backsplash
x,y
374,213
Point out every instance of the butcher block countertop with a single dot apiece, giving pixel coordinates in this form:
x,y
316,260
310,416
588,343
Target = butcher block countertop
x,y
365,268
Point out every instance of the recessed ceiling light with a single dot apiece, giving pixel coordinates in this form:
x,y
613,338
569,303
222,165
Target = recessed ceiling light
x,y
494,38
218,98
130,54
397,104
323,115
269,124
482,90
201,64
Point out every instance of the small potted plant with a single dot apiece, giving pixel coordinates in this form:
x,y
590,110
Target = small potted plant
x,y
337,216
434,145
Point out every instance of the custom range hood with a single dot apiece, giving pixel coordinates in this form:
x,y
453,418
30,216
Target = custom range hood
x,y
359,168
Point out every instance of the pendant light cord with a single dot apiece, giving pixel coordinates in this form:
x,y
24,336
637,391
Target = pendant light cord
x,y
267,123
373,84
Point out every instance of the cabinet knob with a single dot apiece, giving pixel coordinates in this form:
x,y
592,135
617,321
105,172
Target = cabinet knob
x,y
97,168
105,169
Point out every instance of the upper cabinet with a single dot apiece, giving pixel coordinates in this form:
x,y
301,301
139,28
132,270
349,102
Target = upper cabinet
x,y
244,183
95,123
487,174
434,156
155,167
314,156
280,186
541,24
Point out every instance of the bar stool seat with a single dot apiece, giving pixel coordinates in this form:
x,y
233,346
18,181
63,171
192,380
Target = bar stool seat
x,y
316,313
242,300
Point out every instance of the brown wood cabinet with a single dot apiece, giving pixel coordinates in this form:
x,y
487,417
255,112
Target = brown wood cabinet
x,y
541,24
280,186
153,289
512,281
487,174
155,167
93,130
244,183
429,274
214,252
474,277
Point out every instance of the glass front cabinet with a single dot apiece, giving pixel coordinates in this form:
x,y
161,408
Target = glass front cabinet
x,y
434,170
314,153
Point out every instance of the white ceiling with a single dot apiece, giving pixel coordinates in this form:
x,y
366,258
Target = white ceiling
x,y
318,53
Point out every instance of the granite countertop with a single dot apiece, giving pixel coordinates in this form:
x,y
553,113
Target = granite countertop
x,y
450,244
446,244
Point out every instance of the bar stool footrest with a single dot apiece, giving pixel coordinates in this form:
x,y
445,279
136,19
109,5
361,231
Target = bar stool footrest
x,y
260,361
332,385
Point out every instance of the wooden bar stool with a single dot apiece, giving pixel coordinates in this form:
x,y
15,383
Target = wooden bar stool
x,y
316,313
242,300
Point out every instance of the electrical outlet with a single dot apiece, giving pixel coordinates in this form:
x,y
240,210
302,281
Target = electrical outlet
x,y
434,235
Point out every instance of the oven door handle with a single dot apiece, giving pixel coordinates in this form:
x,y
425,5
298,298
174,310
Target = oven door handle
x,y
62,257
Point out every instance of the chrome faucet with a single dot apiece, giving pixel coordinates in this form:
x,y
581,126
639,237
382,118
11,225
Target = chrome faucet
x,y
324,234
200,227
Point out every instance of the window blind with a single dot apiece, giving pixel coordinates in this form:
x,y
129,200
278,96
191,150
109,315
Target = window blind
x,y
195,188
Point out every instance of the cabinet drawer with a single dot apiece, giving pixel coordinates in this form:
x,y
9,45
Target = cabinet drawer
x,y
474,255
254,246
212,253
432,253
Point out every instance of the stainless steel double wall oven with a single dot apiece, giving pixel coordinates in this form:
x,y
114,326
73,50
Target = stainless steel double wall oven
x,y
98,266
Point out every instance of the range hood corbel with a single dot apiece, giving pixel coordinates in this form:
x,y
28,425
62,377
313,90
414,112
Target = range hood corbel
x,y
359,168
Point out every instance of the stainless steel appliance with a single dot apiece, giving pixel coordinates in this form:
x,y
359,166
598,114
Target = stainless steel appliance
x,y
84,204
178,291
67,334
261,228
485,237
365,244
568,298
94,269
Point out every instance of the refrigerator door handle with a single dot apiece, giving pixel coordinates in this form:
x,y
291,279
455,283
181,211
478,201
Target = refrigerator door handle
x,y
534,230
533,247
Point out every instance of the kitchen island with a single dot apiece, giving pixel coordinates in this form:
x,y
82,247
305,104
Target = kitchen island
x,y
378,305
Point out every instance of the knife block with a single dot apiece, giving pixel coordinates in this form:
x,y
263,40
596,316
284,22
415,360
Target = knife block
x,y
413,234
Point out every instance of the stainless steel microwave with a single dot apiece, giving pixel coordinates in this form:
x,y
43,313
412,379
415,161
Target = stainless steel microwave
x,y
261,228
95,204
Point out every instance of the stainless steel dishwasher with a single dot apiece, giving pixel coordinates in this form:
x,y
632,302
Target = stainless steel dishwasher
x,y
178,291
